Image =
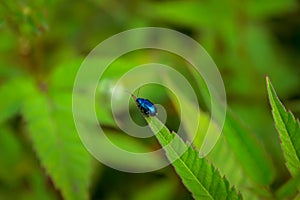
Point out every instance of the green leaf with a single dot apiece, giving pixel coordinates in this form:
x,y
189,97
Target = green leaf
x,y
289,131
63,76
56,143
192,13
245,150
200,177
10,155
248,151
230,161
193,127
12,93
223,157
37,182
289,189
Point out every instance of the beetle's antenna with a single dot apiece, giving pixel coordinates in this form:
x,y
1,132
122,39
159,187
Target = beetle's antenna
x,y
138,92
132,95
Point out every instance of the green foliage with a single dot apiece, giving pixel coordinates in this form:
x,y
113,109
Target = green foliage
x,y
10,155
289,131
237,140
289,189
248,151
54,138
42,45
19,167
51,129
160,190
200,177
224,159
12,101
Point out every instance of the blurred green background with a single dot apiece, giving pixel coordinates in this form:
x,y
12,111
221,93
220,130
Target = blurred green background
x,y
43,43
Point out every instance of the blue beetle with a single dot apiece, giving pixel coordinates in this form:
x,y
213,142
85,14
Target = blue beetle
x,y
146,106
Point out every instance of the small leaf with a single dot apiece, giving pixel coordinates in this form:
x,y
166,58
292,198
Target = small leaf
x,y
200,177
289,131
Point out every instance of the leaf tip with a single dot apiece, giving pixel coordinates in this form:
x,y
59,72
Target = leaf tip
x,y
270,88
268,81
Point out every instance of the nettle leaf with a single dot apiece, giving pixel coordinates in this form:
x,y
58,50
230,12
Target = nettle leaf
x,y
239,167
12,93
224,159
248,151
289,131
200,177
242,149
56,142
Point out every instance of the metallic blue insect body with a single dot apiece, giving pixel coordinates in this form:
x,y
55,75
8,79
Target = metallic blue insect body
x,y
146,106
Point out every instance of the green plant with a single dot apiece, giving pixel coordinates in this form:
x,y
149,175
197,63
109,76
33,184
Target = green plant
x,y
205,182
43,44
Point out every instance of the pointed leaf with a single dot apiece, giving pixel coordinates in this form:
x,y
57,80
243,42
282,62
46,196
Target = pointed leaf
x,y
57,145
223,157
248,151
244,149
289,131
200,177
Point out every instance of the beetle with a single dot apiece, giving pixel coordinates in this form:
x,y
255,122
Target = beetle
x,y
145,105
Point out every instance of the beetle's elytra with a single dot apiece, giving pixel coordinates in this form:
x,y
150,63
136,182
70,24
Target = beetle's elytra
x,y
145,106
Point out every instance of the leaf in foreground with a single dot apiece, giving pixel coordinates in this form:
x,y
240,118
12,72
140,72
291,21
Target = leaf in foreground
x,y
289,131
57,145
199,176
250,158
